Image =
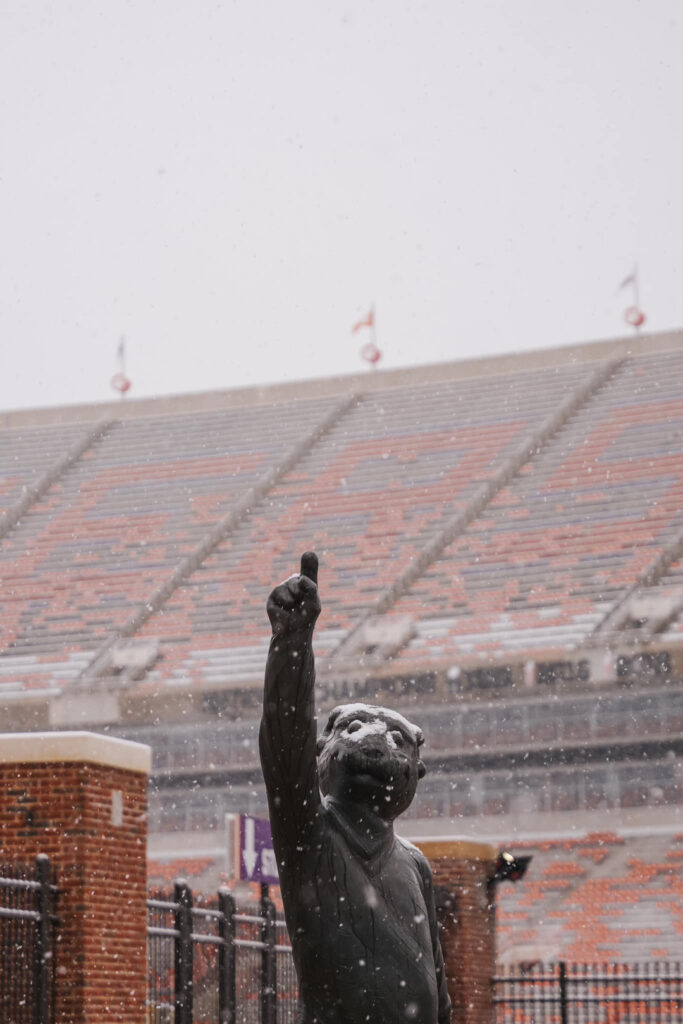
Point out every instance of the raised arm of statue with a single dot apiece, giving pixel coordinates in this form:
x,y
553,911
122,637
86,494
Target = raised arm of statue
x,y
287,736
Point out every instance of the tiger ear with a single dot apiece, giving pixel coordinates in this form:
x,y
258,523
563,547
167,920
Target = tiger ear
x,y
329,726
421,770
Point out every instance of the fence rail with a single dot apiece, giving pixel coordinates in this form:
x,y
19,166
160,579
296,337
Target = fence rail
x,y
610,993
28,901
212,963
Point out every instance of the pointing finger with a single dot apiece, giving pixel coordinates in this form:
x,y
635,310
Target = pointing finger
x,y
309,566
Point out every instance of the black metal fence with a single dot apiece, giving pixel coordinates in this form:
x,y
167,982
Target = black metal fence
x,y
213,963
569,993
28,901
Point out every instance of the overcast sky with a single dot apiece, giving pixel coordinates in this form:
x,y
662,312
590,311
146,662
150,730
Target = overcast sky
x,y
231,185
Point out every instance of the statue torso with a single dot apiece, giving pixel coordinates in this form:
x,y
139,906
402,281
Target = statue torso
x,y
359,929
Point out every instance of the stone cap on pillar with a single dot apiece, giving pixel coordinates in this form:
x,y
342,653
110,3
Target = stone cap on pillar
x,y
67,747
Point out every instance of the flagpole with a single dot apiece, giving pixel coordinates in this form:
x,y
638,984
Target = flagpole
x,y
119,381
636,294
122,361
374,335
634,315
369,351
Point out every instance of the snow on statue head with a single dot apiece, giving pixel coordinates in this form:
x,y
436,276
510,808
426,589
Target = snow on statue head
x,y
370,755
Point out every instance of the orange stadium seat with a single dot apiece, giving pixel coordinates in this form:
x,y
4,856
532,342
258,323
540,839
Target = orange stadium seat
x,y
617,464
541,565
622,907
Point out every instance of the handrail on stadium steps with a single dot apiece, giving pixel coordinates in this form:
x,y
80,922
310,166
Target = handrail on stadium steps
x,y
36,490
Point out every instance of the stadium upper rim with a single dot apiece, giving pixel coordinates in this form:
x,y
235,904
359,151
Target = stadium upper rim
x,y
341,384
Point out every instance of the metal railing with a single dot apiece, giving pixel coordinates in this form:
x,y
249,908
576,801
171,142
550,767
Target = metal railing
x,y
654,712
28,900
605,785
212,962
571,993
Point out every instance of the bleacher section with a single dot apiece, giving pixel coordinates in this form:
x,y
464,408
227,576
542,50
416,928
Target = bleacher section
x,y
202,873
368,497
558,547
97,545
597,898
541,566
26,453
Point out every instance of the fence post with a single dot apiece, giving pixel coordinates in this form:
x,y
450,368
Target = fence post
x,y
42,944
564,1016
226,958
268,954
183,958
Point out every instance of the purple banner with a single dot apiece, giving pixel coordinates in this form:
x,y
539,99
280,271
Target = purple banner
x,y
257,858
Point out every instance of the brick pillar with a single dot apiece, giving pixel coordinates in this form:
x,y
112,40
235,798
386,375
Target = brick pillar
x,y
463,878
82,799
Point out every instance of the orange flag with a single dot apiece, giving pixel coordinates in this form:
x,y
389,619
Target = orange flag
x,y
368,321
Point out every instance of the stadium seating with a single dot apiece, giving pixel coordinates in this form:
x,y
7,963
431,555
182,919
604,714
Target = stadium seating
x,y
541,566
369,496
26,453
119,521
596,898
192,869
555,549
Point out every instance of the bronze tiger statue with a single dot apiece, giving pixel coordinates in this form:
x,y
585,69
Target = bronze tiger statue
x,y
359,900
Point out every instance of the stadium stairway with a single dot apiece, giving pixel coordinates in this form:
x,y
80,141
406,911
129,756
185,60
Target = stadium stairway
x,y
32,492
612,624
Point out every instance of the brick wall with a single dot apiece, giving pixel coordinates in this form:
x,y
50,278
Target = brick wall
x,y
82,800
463,877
